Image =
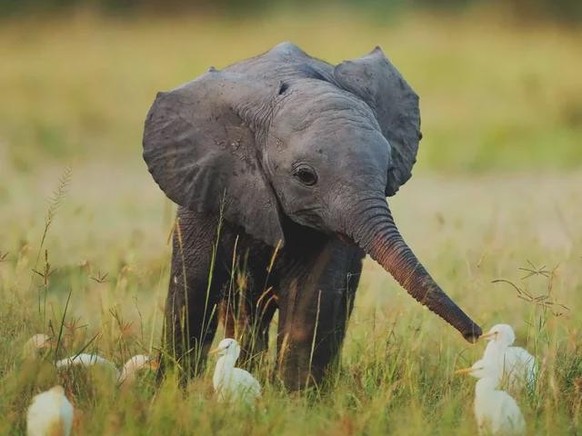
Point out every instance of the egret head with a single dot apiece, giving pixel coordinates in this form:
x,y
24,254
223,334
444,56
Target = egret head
x,y
136,364
57,390
501,333
37,346
480,369
140,361
228,347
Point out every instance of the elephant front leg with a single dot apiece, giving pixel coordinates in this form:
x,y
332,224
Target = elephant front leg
x,y
257,342
313,316
191,305
310,335
247,317
190,325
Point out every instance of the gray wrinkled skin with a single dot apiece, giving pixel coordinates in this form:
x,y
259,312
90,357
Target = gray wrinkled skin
x,y
294,153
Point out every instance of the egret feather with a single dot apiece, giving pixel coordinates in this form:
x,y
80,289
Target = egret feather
x,y
50,414
514,364
495,410
230,383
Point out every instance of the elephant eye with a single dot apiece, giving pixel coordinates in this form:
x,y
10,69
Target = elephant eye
x,y
305,174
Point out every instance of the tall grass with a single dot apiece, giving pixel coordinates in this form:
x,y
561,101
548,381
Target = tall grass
x,y
396,374
497,100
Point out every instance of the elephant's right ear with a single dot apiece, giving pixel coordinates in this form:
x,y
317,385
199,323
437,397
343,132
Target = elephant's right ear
x,y
375,80
201,151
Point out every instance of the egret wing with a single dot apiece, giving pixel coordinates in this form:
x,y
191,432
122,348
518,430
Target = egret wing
x,y
247,382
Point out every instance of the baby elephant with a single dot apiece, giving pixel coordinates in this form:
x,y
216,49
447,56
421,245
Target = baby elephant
x,y
281,165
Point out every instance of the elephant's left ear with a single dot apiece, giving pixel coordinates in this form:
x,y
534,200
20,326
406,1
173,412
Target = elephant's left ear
x,y
376,81
201,148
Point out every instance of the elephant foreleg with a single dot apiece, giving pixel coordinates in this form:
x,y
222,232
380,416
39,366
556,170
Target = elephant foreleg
x,y
314,312
246,312
191,305
264,308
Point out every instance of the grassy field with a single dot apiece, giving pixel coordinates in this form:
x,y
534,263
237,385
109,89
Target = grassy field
x,y
497,192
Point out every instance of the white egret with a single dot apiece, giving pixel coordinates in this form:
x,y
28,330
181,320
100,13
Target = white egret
x,y
127,373
514,364
36,346
134,365
50,414
232,383
88,360
495,410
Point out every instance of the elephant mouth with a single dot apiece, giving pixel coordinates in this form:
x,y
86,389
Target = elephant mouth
x,y
346,239
310,217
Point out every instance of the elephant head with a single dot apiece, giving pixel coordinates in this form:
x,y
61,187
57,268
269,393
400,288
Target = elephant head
x,y
285,134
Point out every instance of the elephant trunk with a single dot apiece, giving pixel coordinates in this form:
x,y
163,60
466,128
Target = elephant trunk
x,y
376,233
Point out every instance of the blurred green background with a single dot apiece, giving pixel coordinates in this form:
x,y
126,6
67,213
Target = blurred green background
x,y
563,10
500,82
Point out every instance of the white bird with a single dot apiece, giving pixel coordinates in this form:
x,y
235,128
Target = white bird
x,y
127,373
36,346
50,414
495,410
514,364
89,360
232,383
134,365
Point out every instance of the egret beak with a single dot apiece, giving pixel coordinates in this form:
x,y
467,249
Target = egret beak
x,y
214,351
488,335
463,371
